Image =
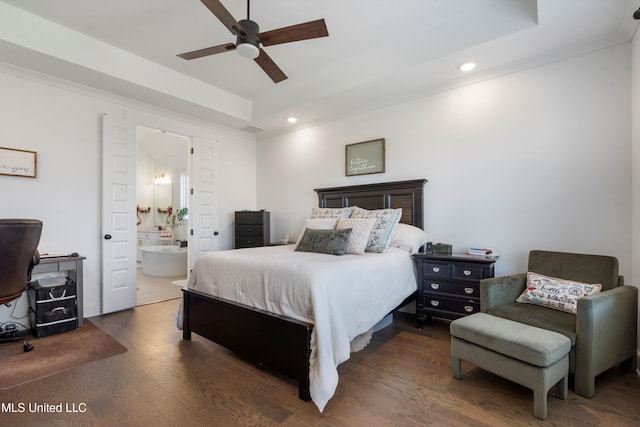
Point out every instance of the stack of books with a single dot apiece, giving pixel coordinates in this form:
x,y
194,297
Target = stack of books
x,y
481,251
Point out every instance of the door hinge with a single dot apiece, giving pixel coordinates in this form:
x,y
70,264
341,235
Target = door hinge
x,y
192,231
192,191
191,150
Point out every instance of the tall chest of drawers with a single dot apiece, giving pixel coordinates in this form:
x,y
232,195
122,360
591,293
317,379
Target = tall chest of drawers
x,y
252,229
449,285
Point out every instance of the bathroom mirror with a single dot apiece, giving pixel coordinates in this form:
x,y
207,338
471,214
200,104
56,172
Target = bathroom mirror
x,y
162,201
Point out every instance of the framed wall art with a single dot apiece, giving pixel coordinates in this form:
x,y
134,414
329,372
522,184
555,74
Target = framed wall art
x,y
364,158
16,162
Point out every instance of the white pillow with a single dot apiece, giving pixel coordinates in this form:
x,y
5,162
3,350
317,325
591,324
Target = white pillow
x,y
331,212
360,232
387,219
409,238
318,224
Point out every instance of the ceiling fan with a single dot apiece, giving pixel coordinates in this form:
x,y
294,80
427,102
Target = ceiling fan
x,y
249,39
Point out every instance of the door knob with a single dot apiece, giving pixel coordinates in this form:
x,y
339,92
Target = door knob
x,y
215,233
107,237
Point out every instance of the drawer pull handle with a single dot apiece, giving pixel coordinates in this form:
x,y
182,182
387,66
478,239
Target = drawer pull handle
x,y
55,310
435,303
435,286
468,291
436,269
468,308
467,272
51,296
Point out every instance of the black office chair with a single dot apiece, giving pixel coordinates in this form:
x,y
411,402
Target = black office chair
x,y
19,240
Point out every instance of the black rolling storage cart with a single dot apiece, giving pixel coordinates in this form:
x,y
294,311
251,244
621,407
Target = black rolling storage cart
x,y
52,306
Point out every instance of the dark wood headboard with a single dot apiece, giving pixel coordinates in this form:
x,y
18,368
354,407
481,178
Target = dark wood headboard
x,y
400,194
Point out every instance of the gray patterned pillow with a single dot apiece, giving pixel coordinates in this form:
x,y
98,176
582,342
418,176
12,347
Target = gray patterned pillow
x,y
333,242
331,212
387,219
318,224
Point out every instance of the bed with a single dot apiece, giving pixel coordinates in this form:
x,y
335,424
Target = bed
x,y
266,329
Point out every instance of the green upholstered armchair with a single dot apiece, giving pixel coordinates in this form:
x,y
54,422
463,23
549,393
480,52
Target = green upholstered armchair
x,y
603,333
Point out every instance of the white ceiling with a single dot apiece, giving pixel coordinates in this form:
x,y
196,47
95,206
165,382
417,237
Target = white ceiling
x,y
379,52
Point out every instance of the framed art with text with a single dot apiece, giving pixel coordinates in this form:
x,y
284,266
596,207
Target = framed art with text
x,y
16,162
364,158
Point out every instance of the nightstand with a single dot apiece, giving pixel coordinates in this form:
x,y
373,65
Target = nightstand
x,y
449,285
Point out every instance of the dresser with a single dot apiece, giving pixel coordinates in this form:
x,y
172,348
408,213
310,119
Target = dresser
x,y
449,284
252,229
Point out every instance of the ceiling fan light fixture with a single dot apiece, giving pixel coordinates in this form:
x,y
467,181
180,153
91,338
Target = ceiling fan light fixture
x,y
247,50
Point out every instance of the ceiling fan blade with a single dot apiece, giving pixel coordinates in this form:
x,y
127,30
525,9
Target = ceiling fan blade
x,y
208,51
224,16
268,66
294,33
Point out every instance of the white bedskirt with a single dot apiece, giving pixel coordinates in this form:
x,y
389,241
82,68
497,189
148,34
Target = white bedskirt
x,y
343,296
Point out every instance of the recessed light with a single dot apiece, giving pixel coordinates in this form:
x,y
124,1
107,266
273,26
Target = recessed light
x,y
467,66
292,119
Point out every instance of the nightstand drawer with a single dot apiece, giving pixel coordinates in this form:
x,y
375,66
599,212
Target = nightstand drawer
x,y
250,218
464,307
435,269
467,272
442,287
249,230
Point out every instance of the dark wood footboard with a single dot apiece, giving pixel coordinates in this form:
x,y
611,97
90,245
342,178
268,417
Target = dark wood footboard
x,y
268,339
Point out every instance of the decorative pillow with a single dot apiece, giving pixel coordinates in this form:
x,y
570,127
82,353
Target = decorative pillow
x,y
318,224
333,242
556,293
331,212
387,219
409,238
360,232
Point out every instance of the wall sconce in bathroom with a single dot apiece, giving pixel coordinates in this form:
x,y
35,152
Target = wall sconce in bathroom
x,y
162,179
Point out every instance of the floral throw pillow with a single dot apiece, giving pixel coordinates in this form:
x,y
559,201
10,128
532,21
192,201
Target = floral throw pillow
x,y
331,212
555,293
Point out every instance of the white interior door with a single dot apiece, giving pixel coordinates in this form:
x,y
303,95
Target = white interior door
x,y
203,209
119,242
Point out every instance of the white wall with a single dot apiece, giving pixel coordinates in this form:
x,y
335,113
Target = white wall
x,y
62,123
535,159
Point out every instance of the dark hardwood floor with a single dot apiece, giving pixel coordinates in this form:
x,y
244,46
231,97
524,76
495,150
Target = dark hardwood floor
x,y
403,378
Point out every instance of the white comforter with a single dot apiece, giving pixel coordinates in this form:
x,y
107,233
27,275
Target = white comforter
x,y
343,296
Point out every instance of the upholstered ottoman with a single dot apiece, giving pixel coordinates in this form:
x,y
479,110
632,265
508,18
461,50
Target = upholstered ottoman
x,y
533,357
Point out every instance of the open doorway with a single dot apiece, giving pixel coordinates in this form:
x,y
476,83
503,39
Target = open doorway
x,y
162,214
